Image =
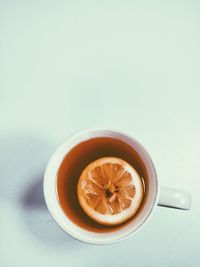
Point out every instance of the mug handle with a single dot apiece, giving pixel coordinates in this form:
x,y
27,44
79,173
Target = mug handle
x,y
174,198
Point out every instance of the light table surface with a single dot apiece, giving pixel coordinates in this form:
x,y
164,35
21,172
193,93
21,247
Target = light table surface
x,y
69,65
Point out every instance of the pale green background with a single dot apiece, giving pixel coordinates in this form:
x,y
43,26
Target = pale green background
x,y
68,65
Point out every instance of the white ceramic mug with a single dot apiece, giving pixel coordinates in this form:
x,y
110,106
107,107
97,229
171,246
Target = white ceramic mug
x,y
156,195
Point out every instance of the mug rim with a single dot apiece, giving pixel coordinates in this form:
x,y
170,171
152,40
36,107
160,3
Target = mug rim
x,y
56,160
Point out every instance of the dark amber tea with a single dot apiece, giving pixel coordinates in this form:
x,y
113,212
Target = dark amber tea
x,y
75,162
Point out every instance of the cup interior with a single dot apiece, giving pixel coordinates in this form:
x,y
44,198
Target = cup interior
x,y
143,165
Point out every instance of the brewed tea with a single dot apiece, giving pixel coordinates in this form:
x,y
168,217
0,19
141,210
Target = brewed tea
x,y
72,166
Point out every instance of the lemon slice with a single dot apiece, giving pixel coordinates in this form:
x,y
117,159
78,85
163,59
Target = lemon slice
x,y
110,190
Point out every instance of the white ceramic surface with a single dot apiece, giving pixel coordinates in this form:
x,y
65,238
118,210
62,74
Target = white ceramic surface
x,y
68,65
50,189
169,197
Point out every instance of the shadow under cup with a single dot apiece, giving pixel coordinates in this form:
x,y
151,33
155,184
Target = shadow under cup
x,y
65,168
